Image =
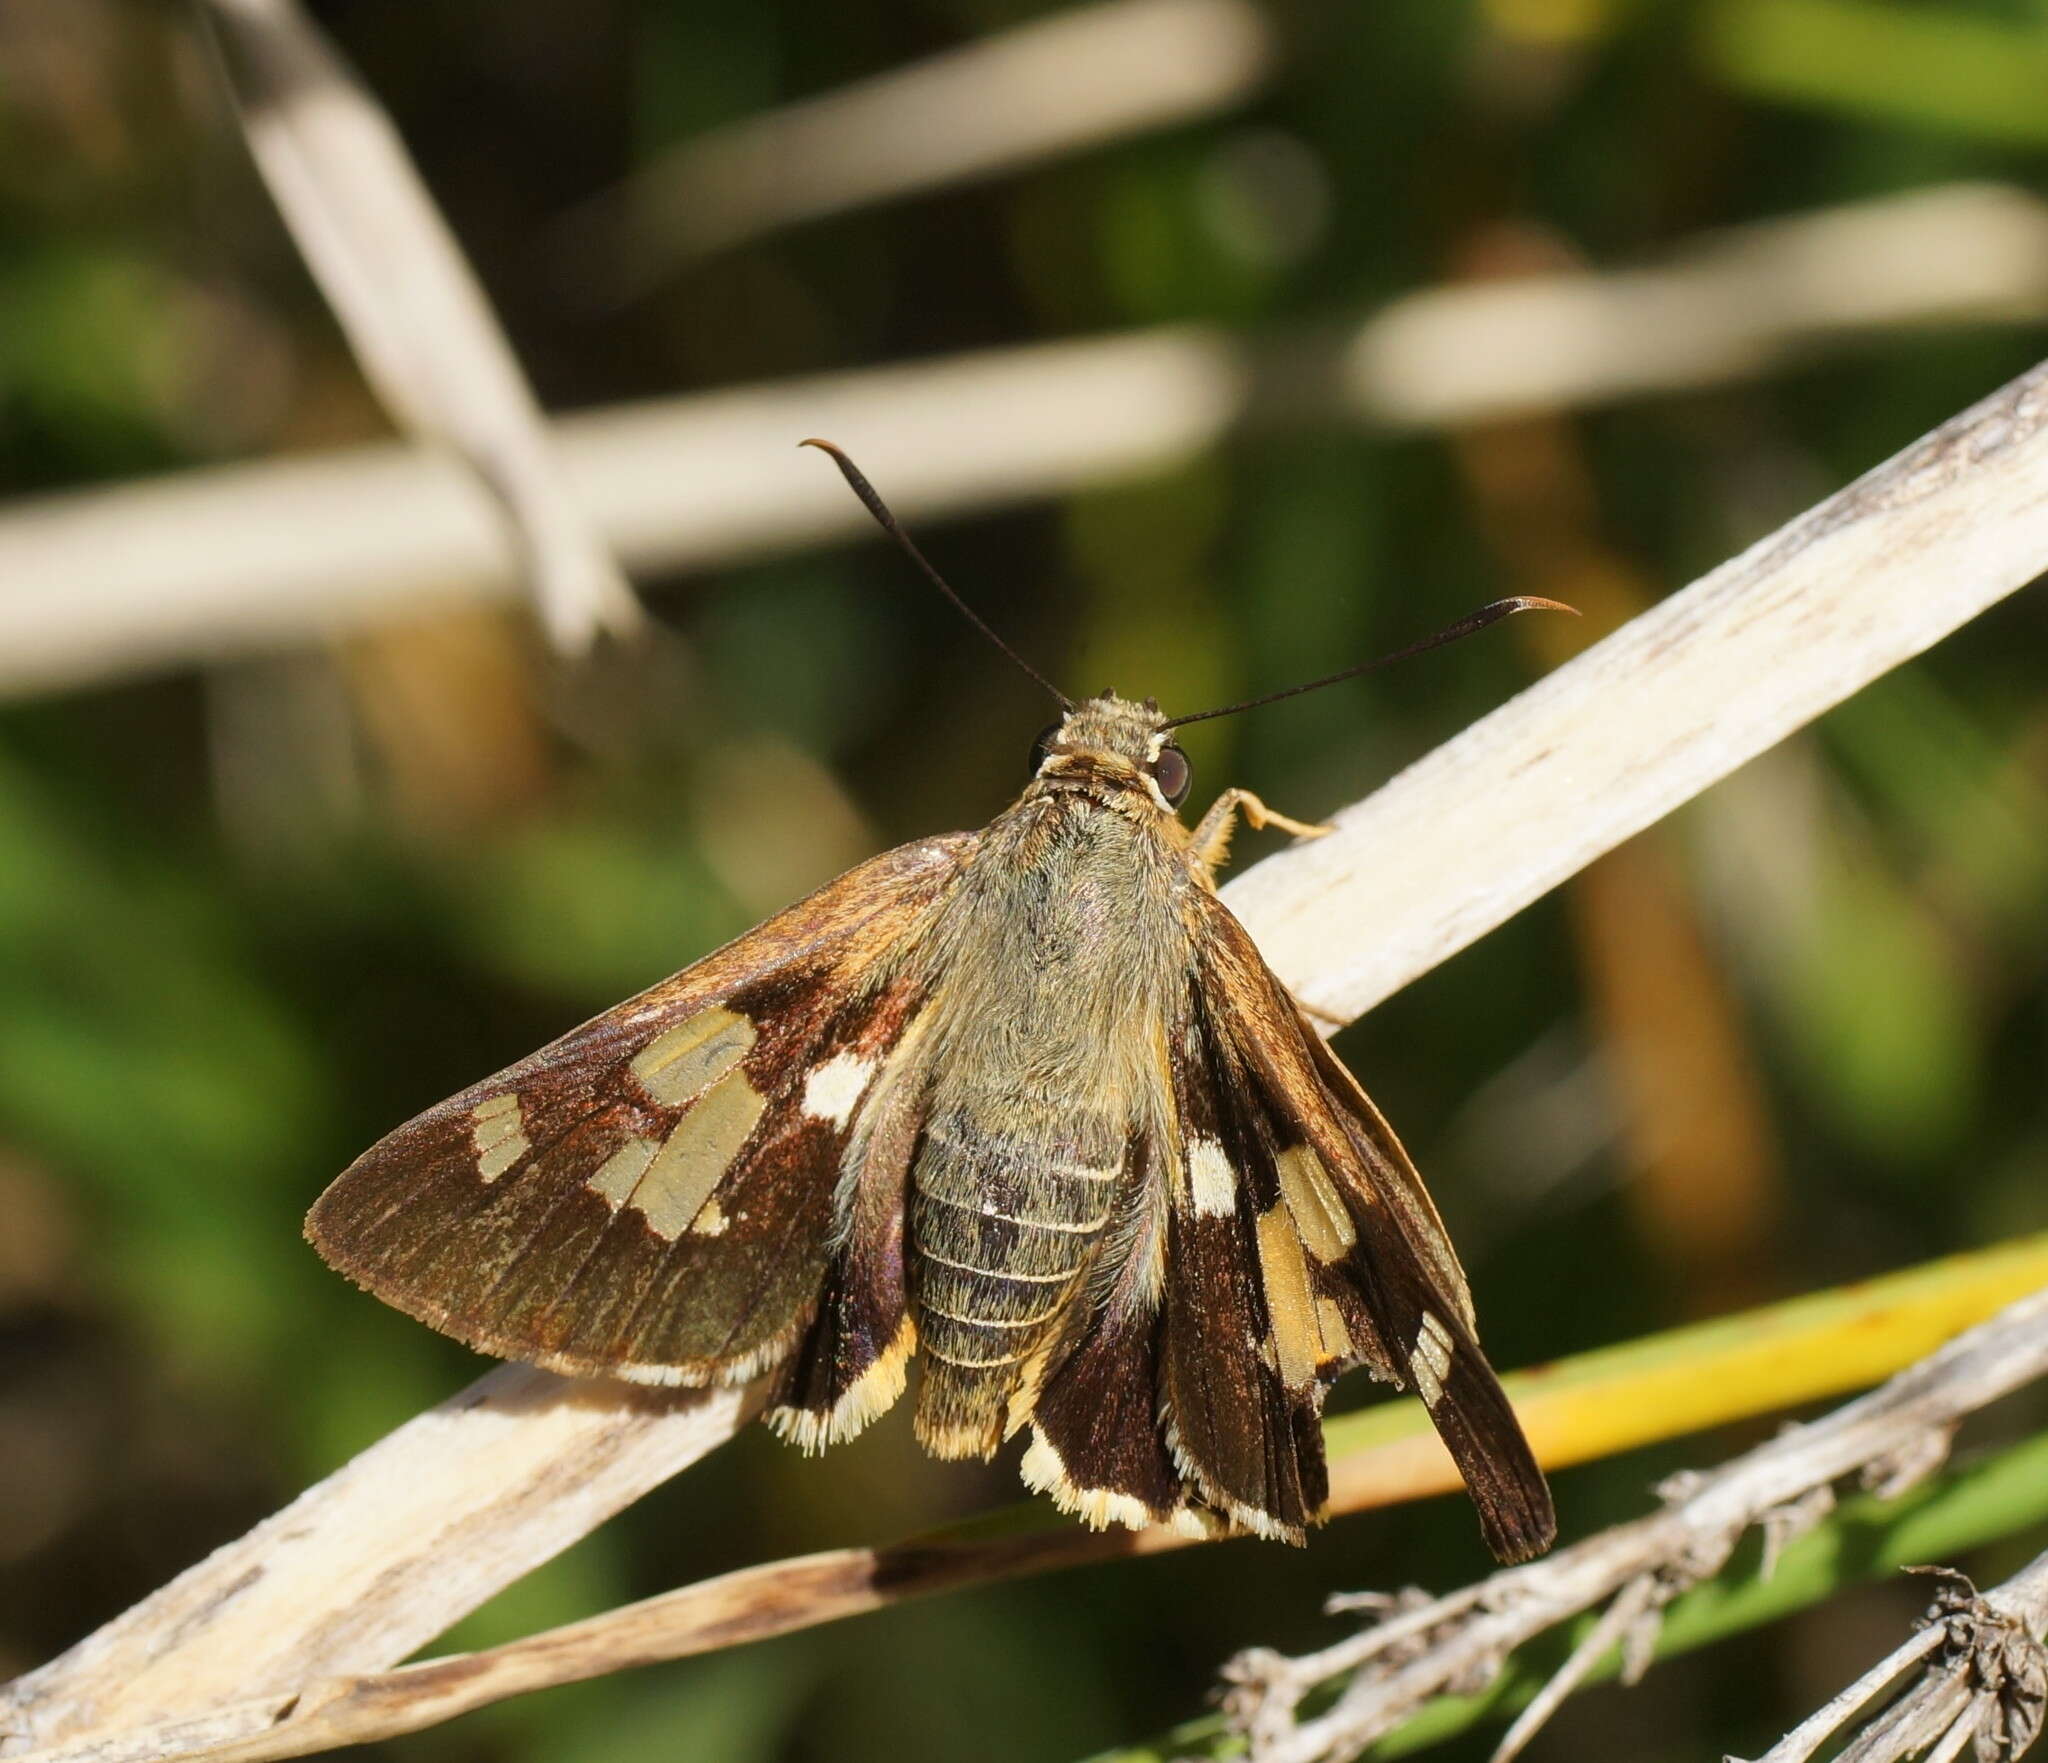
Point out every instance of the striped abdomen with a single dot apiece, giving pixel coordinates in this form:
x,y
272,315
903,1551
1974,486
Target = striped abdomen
x,y
1003,1226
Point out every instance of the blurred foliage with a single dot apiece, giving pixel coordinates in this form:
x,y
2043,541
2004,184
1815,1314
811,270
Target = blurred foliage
x,y
251,918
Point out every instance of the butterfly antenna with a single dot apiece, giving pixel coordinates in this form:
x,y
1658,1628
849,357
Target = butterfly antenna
x,y
874,504
1492,613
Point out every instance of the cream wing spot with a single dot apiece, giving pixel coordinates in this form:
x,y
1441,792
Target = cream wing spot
x,y
499,1158
1336,1336
681,1175
1211,1181
497,1134
1319,1211
681,1063
1290,1302
834,1089
614,1180
710,1221
1430,1362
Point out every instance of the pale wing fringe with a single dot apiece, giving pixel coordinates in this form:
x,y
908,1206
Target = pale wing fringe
x,y
422,329
1426,1647
107,583
1867,578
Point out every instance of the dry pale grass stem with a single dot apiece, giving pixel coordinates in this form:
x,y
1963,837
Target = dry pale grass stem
x,y
239,559
421,326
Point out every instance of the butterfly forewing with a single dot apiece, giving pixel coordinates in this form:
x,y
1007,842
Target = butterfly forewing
x,y
652,1196
1375,1250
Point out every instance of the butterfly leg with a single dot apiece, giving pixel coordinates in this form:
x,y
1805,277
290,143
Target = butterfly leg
x,y
1211,841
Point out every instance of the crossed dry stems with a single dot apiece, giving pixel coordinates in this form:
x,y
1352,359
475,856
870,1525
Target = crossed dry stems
x,y
1987,1681
1983,1682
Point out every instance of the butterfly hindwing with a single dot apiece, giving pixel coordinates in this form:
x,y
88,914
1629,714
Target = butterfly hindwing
x,y
653,1195
1194,1396
853,1362
1097,1445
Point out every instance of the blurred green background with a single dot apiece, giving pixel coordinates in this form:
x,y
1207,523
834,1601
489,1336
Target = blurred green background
x,y
256,911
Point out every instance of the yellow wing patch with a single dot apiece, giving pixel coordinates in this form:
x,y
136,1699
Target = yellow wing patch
x,y
696,1065
497,1134
696,1053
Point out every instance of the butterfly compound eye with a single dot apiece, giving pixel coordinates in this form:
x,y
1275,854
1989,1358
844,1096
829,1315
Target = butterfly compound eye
x,y
1173,774
1042,747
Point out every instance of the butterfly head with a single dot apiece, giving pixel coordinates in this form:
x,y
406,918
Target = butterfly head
x,y
1116,751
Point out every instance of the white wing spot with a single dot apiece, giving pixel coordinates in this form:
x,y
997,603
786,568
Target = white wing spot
x,y
1430,1363
1211,1179
833,1090
497,1134
710,1222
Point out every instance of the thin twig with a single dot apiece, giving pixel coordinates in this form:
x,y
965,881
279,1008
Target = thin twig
x,y
1636,1601
108,582
1985,1687
1814,1731
370,1564
748,1605
1459,1642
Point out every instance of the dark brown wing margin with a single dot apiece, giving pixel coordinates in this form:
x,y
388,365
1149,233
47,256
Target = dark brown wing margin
x,y
1373,1244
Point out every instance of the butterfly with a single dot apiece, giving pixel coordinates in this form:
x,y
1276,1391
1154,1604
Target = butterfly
x,y
1025,1104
